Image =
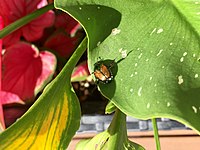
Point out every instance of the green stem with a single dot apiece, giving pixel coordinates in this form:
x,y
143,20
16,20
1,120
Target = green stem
x,y
118,131
70,65
118,123
24,20
156,136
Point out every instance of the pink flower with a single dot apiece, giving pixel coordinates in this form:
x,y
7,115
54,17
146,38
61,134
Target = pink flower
x,y
62,43
25,70
80,72
63,20
2,124
12,10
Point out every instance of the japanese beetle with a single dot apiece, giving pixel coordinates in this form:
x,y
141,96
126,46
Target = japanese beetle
x,y
102,72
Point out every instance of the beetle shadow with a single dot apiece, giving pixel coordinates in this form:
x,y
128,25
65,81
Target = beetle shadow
x,y
108,89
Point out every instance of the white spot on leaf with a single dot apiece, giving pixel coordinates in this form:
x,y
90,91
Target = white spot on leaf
x,y
140,56
124,53
159,52
168,104
120,50
160,30
131,90
115,31
136,64
80,8
180,79
153,31
131,75
98,43
196,76
150,78
182,59
140,91
148,105
194,109
184,54
171,43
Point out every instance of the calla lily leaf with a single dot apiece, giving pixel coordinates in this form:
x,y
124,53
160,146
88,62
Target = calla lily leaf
x,y
156,46
115,137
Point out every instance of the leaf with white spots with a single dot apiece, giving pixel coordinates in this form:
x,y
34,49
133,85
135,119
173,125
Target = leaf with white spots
x,y
162,43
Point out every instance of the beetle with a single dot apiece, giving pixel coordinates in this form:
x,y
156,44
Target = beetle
x,y
102,72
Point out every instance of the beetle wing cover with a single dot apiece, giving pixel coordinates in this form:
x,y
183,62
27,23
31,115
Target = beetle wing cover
x,y
105,71
99,75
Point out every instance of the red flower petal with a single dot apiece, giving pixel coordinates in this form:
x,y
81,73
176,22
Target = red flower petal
x,y
62,43
63,20
80,72
25,69
48,68
2,123
11,10
34,30
9,98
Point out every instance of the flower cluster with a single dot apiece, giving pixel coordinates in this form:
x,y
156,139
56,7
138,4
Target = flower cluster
x,y
30,55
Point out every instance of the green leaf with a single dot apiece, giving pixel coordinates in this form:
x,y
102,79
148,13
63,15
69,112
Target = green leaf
x,y
161,75
115,137
110,108
53,119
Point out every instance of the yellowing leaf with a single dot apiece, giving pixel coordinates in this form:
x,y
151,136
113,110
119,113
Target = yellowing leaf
x,y
54,118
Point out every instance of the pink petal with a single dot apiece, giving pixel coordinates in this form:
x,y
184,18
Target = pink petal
x,y
12,38
34,30
9,98
62,43
2,123
48,68
12,10
80,71
65,21
32,5
23,66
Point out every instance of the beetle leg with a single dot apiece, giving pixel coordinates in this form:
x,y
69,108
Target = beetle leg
x,y
111,64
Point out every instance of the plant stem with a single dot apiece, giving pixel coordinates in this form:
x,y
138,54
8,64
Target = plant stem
x,y
24,20
156,136
118,130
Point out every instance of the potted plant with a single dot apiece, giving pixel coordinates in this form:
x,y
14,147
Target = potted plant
x,y
143,55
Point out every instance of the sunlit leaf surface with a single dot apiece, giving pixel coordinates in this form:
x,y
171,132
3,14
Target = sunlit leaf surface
x,y
160,77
